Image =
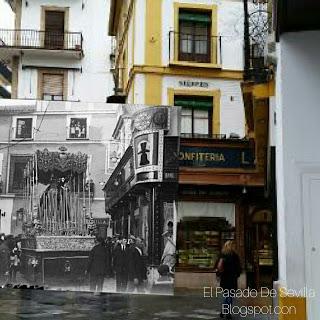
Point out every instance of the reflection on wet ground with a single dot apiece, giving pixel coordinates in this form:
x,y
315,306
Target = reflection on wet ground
x,y
38,304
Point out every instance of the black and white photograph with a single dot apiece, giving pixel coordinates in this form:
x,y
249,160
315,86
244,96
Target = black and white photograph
x,y
84,219
159,159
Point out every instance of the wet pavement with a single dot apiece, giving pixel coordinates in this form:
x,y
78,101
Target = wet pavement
x,y
41,304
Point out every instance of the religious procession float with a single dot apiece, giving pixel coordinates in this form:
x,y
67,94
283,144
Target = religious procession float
x,y
58,229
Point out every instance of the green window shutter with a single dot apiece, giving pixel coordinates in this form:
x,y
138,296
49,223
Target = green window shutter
x,y
195,17
193,103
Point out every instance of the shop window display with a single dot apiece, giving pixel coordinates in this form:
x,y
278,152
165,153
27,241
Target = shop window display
x,y
200,241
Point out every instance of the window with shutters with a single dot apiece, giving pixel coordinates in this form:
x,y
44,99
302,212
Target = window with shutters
x,y
54,29
196,115
52,86
194,36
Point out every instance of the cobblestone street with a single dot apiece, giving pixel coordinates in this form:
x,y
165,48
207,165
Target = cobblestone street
x,y
37,304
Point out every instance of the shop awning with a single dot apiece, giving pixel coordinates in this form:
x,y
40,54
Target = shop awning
x,y
193,103
194,17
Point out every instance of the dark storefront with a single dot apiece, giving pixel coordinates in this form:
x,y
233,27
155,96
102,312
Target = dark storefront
x,y
221,197
141,192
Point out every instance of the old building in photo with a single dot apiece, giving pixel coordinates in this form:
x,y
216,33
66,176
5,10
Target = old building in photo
x,y
31,126
141,193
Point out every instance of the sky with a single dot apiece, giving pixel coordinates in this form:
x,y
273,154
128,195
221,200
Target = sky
x,y
6,16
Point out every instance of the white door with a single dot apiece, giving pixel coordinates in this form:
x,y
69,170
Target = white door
x,y
311,212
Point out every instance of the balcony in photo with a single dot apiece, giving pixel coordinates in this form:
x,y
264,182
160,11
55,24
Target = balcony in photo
x,y
45,43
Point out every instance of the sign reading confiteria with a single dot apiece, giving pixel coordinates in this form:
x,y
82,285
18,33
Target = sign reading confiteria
x,y
215,157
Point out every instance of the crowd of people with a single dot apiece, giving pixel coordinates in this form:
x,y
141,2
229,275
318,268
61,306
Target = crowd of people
x,y
10,253
118,258
124,259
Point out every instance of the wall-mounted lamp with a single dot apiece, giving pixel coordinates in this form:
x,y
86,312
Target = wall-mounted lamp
x,y
26,3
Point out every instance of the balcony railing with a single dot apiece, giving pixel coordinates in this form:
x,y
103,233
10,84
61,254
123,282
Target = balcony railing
x,y
35,39
184,47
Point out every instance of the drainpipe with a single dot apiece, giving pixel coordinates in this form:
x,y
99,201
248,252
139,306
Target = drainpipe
x,y
246,40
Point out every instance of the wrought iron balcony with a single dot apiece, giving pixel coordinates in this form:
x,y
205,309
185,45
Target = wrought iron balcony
x,y
194,48
35,39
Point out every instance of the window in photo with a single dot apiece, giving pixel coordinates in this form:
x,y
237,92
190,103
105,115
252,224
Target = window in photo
x,y
24,128
78,128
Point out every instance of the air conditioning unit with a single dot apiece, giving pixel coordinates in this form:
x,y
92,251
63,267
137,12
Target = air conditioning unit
x,y
271,51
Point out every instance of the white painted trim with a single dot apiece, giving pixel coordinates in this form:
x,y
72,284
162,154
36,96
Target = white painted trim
x,y
308,171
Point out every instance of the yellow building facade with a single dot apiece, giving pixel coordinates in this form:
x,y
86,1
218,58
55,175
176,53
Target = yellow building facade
x,y
181,53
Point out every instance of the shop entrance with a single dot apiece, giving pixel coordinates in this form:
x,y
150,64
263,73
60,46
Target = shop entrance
x,y
259,253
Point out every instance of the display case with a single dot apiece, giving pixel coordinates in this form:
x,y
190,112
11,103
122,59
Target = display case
x,y
200,242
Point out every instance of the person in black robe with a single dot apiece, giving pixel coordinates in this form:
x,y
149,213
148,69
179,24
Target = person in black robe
x,y
137,271
98,265
4,261
120,265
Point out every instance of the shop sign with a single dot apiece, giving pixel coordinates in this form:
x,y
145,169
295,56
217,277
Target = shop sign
x,y
148,156
197,84
214,157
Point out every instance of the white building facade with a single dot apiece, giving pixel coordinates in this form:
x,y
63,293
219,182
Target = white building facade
x,y
294,128
298,163
59,51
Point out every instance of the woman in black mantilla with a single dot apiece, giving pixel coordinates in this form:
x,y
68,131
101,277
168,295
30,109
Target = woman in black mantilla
x,y
229,270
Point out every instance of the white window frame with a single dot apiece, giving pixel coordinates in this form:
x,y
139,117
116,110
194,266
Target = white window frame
x,y
78,116
14,127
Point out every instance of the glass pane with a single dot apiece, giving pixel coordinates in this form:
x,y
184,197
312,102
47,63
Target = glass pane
x,y
201,39
201,121
186,42
186,37
201,45
186,120
186,28
47,97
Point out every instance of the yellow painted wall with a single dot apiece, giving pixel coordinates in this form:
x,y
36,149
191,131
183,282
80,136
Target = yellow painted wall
x,y
300,305
153,32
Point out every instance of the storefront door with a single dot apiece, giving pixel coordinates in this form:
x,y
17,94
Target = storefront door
x,y
311,205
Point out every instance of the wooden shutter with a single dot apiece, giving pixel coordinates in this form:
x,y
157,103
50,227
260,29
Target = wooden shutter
x,y
54,21
53,84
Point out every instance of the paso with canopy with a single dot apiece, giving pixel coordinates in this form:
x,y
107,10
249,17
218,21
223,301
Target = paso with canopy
x,y
57,192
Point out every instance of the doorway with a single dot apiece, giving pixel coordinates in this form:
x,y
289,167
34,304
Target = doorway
x,y
311,205
54,29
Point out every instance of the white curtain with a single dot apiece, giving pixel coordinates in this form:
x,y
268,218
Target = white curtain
x,y
206,210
